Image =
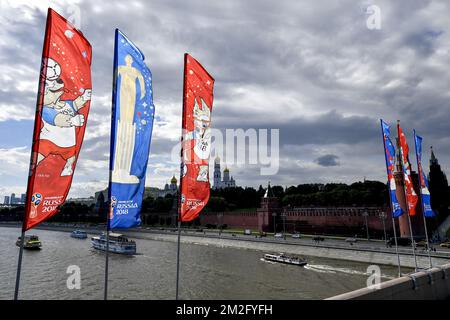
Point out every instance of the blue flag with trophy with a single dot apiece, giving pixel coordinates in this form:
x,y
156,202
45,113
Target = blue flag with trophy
x,y
389,152
131,133
425,193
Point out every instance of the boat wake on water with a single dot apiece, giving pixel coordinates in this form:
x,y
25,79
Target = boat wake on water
x,y
264,260
330,269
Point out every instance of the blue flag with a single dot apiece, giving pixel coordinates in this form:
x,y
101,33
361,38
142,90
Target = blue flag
x,y
389,152
131,133
426,203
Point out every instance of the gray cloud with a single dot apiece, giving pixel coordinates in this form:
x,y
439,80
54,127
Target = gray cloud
x,y
328,160
310,69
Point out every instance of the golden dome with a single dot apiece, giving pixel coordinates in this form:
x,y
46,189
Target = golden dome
x,y
226,170
173,180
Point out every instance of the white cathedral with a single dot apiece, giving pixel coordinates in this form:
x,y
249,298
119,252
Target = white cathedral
x,y
227,182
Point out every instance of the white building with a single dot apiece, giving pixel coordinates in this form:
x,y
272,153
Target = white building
x,y
227,182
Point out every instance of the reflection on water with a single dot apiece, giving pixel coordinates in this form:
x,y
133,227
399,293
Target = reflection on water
x,y
207,272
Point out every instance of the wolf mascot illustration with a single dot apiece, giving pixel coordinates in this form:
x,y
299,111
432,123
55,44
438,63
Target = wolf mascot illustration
x,y
199,140
60,118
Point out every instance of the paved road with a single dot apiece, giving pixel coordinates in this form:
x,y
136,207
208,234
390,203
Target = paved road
x,y
361,244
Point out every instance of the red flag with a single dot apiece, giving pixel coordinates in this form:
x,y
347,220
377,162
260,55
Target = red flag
x,y
61,114
411,196
196,138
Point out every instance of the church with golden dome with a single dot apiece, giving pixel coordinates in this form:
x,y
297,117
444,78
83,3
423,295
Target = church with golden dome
x,y
172,188
227,182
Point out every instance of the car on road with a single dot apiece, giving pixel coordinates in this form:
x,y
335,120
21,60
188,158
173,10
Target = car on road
x,y
445,244
278,235
421,243
351,240
247,232
296,235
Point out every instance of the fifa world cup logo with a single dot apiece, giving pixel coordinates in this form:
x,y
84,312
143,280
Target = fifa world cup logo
x,y
36,200
112,206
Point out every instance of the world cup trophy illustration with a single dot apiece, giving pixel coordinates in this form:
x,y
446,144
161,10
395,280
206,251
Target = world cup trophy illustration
x,y
36,200
126,127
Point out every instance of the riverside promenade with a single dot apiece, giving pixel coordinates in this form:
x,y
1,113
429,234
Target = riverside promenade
x,y
373,252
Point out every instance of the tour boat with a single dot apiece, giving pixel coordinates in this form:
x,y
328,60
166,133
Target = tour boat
x,y
281,258
31,242
79,234
118,243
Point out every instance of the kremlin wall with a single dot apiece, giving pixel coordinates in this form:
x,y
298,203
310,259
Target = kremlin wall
x,y
349,221
344,220
271,217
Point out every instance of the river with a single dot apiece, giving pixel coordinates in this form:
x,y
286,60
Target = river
x,y
207,272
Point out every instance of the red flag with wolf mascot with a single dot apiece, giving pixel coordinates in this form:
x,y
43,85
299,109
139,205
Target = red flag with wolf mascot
x,y
196,138
61,114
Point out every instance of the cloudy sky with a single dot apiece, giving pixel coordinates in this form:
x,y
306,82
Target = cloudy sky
x,y
312,69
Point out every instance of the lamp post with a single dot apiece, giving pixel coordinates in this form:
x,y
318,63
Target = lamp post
x,y
274,215
365,215
383,217
220,222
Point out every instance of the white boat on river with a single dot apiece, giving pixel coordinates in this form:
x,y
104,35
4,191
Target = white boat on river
x,y
118,243
281,258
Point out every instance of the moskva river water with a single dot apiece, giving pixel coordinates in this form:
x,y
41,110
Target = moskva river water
x,y
207,272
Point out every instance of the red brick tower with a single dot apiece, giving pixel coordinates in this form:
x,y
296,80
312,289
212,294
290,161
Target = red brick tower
x,y
269,212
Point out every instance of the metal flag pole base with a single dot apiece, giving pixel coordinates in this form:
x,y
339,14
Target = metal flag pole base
x,y
412,241
178,259
105,297
396,248
19,266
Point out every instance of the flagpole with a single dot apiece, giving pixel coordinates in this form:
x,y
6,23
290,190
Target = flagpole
x,y
395,234
111,153
181,178
19,266
406,197
419,170
33,155
390,200
412,240
396,247
105,294
178,260
426,233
